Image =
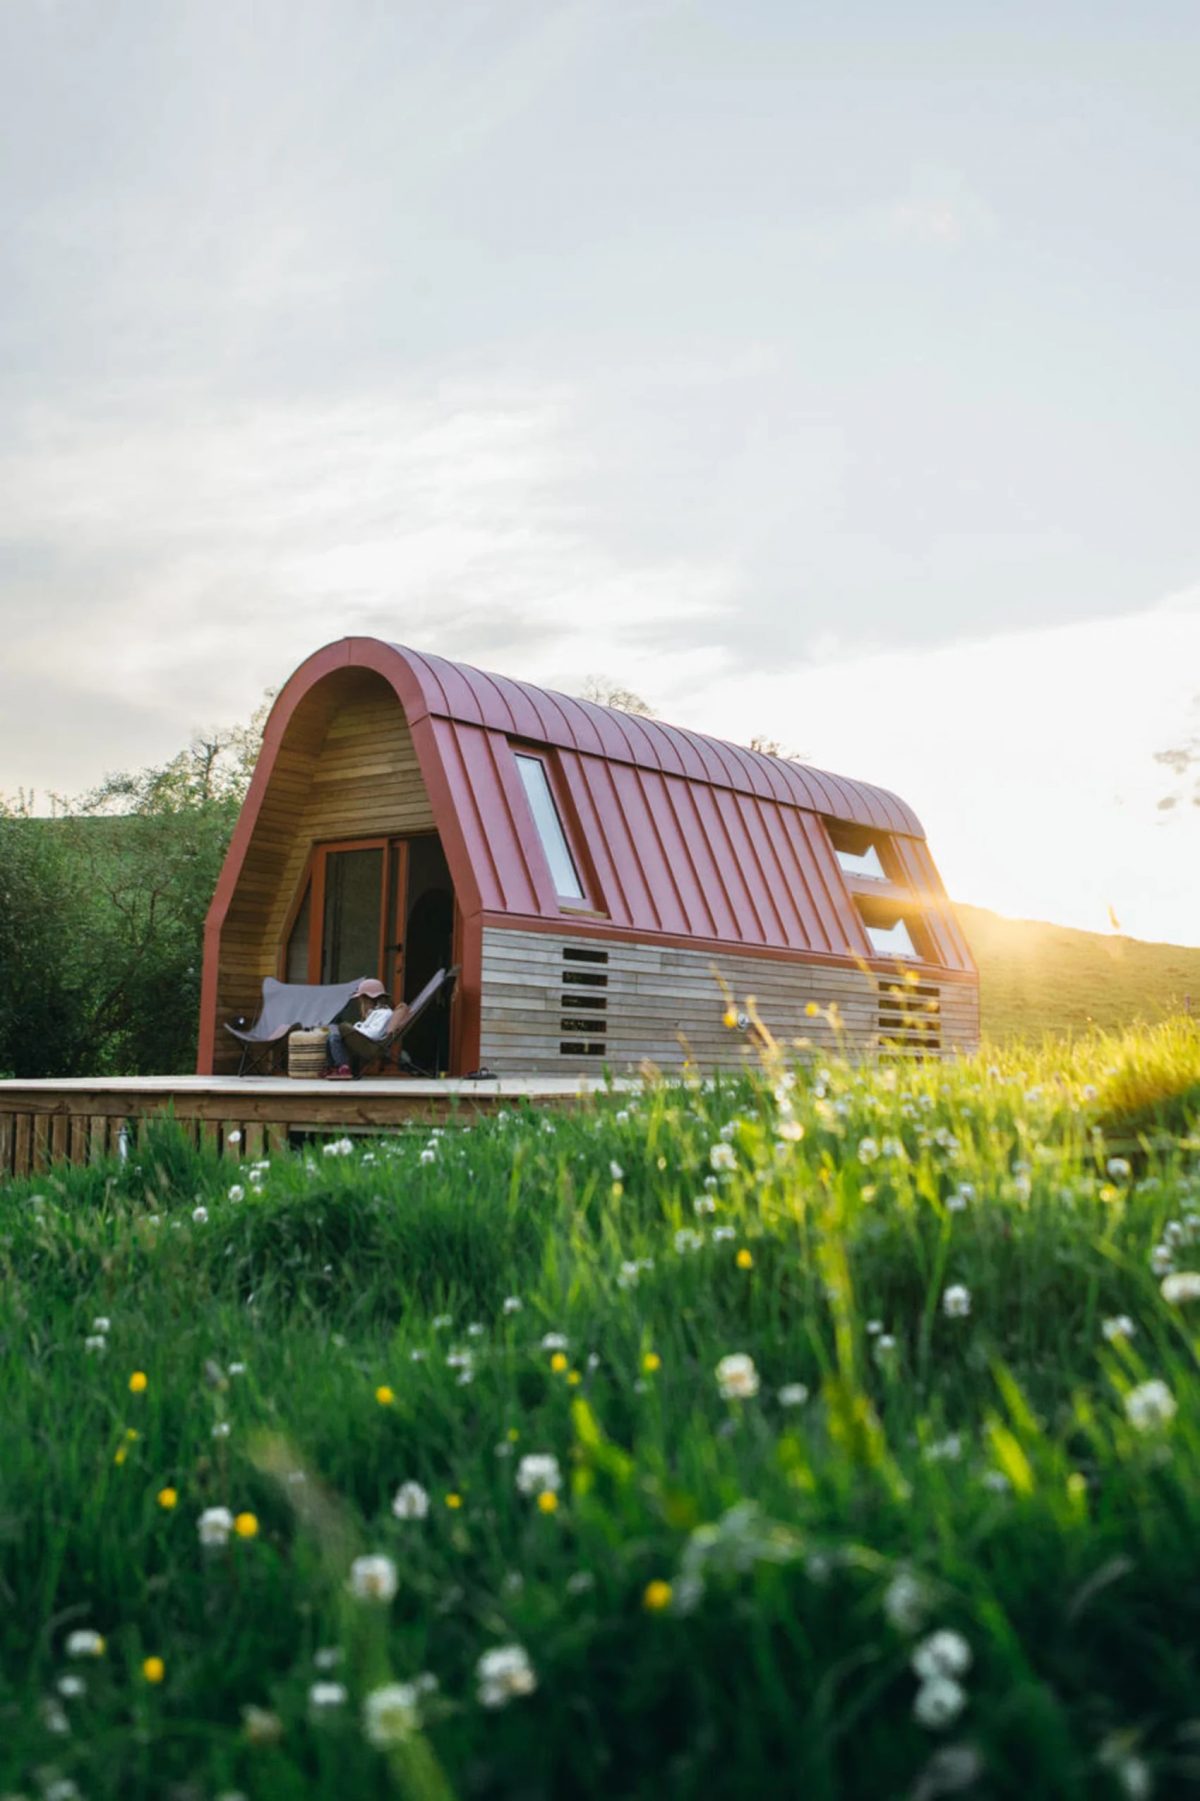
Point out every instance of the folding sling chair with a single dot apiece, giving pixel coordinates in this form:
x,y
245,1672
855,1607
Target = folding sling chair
x,y
285,1007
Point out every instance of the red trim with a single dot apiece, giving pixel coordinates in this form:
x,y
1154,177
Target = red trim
x,y
572,927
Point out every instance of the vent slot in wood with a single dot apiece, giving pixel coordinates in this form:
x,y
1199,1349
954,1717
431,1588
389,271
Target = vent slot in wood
x,y
909,1019
583,1022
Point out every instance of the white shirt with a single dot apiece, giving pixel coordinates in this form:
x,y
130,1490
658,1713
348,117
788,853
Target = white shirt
x,y
375,1023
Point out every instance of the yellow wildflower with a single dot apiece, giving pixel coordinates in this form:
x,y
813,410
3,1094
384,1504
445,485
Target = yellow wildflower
x,y
547,1501
651,1362
246,1525
120,1454
573,1378
812,1009
454,1502
558,1362
153,1669
168,1498
729,1017
138,1382
657,1595
384,1395
745,1259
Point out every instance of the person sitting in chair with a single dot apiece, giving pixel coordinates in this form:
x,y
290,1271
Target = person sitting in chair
x,y
375,1010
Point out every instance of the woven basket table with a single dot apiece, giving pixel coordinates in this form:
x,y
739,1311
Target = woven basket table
x,y
308,1053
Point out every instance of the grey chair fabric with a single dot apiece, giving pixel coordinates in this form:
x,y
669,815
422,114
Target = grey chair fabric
x,y
287,1006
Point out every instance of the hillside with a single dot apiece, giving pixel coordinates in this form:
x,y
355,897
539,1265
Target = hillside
x,y
1037,978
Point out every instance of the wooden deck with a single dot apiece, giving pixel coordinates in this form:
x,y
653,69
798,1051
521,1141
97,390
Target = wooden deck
x,y
80,1120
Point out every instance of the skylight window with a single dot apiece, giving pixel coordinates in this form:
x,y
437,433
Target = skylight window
x,y
891,941
857,852
565,876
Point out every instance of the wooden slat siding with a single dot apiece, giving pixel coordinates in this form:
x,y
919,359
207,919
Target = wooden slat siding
x,y
347,770
656,994
60,1133
39,1156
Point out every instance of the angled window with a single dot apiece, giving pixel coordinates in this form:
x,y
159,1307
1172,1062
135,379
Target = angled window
x,y
857,852
891,941
563,872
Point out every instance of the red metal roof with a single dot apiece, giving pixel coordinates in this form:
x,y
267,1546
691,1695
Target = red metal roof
x,y
519,710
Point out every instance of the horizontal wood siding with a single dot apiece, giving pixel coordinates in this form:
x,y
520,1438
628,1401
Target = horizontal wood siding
x,y
346,769
665,1004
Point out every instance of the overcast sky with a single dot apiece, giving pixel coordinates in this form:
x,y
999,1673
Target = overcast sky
x,y
830,371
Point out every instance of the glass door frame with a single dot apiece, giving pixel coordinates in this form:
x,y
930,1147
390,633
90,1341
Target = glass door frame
x,y
389,956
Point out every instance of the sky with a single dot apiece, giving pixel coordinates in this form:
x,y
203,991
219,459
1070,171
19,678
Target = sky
x,y
823,371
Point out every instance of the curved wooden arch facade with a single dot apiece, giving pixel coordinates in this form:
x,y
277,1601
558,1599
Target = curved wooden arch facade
x,y
691,856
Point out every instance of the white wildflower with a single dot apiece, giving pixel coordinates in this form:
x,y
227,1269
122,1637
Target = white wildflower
x,y
237,1192
944,1450
513,1303
686,1240
793,1394
704,1203
943,1653
233,1138
1149,1405
237,1369
441,1321
868,1150
580,1582
723,1234
214,1526
537,1472
101,1324
956,1301
1161,1259
475,1330
737,1377
905,1603
373,1578
323,1697
1184,1286
721,1157
627,1275
83,1642
938,1703
428,1155
554,1341
328,1657
504,1674
222,1429
410,1502
884,1349
390,1714
615,1171
1119,1326
200,1214
71,1687
96,1343
1118,1168
338,1147
960,1199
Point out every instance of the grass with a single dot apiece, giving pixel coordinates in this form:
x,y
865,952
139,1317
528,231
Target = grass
x,y
1037,979
721,1596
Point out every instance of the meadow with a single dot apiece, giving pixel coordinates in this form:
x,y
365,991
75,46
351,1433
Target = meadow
x,y
832,1431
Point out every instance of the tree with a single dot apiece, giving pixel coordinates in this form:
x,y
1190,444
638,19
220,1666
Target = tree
x,y
604,692
771,747
102,946
1184,764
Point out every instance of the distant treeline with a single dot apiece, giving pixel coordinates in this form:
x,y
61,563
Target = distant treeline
x,y
102,914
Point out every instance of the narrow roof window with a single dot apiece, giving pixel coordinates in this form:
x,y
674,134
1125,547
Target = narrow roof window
x,y
891,941
554,840
857,852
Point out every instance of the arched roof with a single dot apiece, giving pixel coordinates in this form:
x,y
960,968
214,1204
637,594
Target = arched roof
x,y
468,696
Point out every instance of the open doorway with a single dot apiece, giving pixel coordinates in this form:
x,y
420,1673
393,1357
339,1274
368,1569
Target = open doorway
x,y
380,907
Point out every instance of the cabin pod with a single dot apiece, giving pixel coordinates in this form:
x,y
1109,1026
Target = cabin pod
x,y
613,889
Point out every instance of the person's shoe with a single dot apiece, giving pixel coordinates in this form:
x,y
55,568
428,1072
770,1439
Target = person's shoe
x,y
343,1073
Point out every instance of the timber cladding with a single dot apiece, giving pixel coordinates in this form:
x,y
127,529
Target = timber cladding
x,y
565,1003
346,769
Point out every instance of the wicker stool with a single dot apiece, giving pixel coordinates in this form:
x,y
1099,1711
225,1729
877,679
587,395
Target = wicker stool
x,y
308,1053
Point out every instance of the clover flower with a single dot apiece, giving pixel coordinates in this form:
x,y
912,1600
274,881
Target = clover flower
x,y
513,1303
83,1642
338,1147
539,1472
200,1214
390,1714
721,1157
1183,1286
956,1301
1119,1326
555,1341
101,1323
943,1653
323,1697
737,1377
410,1502
214,1526
237,1192
905,1602
1118,1168
1150,1405
938,1703
373,1578
503,1675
